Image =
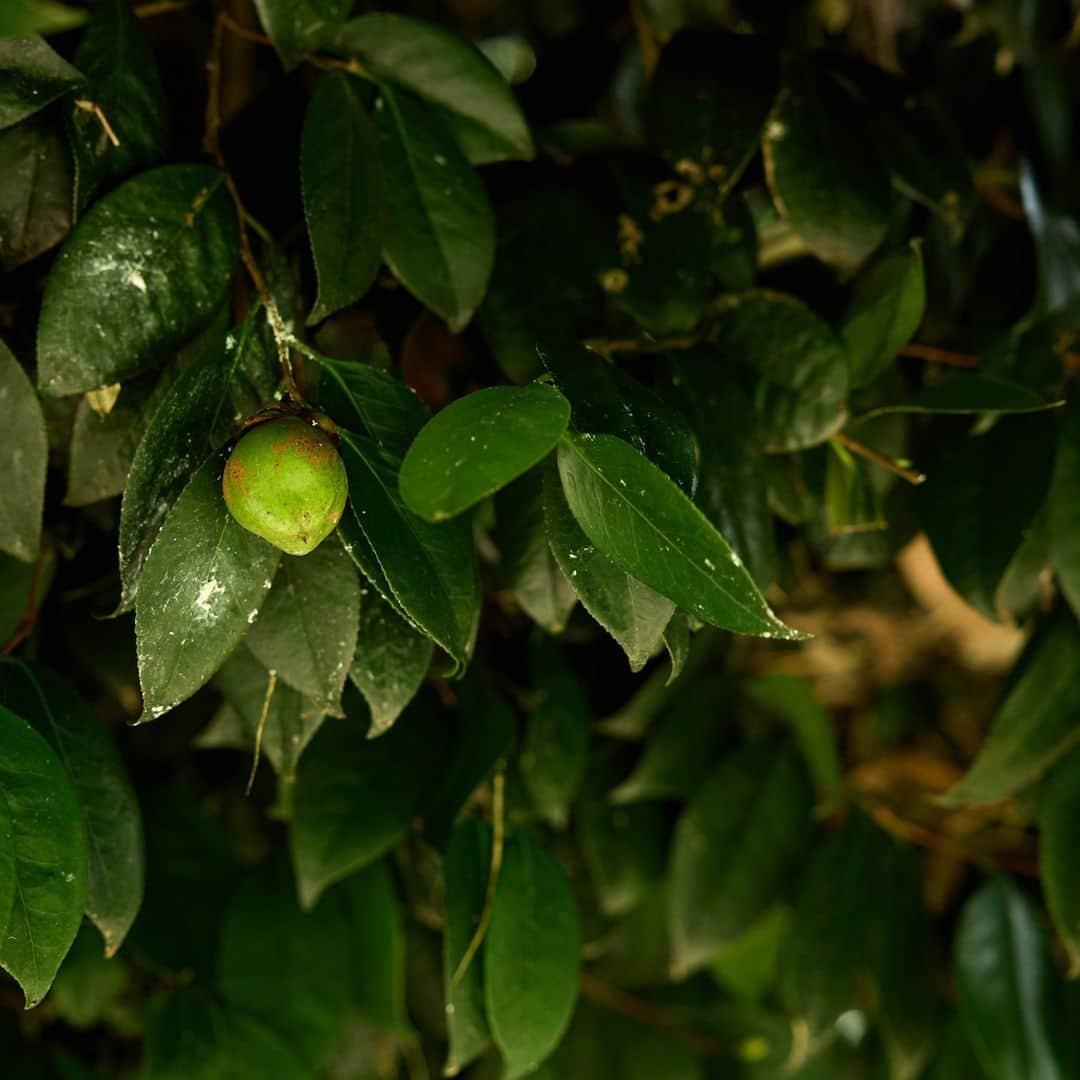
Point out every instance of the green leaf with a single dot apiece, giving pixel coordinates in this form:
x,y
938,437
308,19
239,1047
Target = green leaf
x,y
799,365
736,846
35,190
831,191
356,797
982,493
48,842
1059,868
440,236
973,393
527,563
885,311
479,444
8,866
297,27
1064,512
147,266
307,625
390,662
607,401
103,790
267,942
88,986
790,699
32,74
632,613
38,17
449,73
642,521
343,194
468,860
532,955
1006,985
203,582
747,966
122,81
708,101
555,748
1035,722
193,416
430,570
24,455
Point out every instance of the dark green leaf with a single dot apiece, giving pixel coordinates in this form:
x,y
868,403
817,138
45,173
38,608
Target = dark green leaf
x,y
708,101
479,444
114,832
747,966
147,266
735,848
677,641
452,74
831,191
799,364
343,194
642,521
48,842
390,662
24,455
297,27
122,81
885,311
969,394
532,955
32,74
1059,868
430,570
556,744
203,582
440,237
307,625
38,17
1005,984
356,797
468,859
635,615
88,986
1064,511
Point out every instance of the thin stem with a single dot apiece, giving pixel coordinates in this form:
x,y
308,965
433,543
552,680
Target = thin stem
x,y
881,460
606,348
161,7
32,610
940,356
103,120
271,685
245,32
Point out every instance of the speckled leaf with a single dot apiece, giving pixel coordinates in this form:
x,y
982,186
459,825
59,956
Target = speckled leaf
x,y
642,521
390,663
32,74
478,444
50,863
306,627
343,194
203,582
147,266
103,789
297,27
23,456
440,234
800,366
450,73
532,955
122,81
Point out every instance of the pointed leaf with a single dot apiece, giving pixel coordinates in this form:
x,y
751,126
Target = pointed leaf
x,y
24,455
32,74
297,27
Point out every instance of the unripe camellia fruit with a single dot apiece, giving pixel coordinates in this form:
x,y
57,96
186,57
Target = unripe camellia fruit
x,y
285,481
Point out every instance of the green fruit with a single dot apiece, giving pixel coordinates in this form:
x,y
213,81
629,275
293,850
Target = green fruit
x,y
286,482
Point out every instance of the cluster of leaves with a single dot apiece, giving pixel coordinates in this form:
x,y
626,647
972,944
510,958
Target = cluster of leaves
x,y
609,382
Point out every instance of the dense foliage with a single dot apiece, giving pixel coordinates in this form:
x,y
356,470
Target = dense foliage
x,y
691,684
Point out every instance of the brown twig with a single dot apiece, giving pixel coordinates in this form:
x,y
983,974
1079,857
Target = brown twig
x,y
940,356
606,348
245,32
33,609
881,460
271,685
103,120
996,199
161,7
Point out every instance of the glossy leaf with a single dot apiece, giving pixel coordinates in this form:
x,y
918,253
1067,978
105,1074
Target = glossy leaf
x,y
440,236
1005,983
356,797
301,26
532,955
146,267
307,626
735,847
122,81
450,73
114,832
32,74
48,842
479,444
642,521
343,194
201,587
24,456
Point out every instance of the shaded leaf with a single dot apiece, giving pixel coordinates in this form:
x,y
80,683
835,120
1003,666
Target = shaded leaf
x,y
297,27
1064,507
747,966
24,455
32,74
1059,807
